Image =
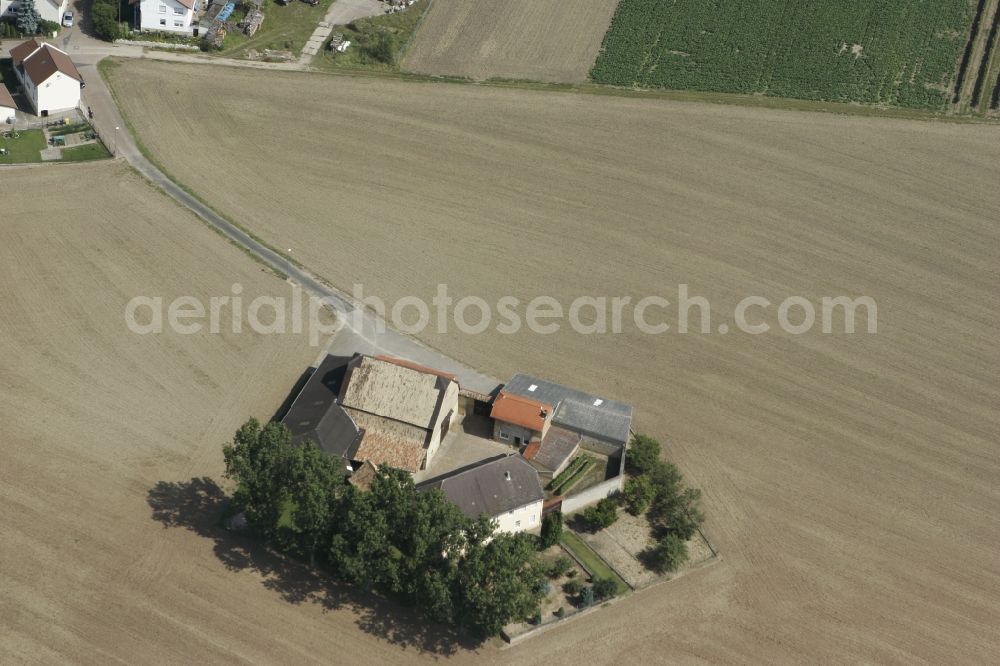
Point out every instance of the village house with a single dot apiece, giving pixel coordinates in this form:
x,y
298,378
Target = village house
x,y
48,76
49,10
551,422
505,489
380,409
176,16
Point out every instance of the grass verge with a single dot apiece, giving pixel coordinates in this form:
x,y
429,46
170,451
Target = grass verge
x,y
285,28
86,152
364,34
585,554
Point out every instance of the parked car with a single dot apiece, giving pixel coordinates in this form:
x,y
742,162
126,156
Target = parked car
x,y
67,20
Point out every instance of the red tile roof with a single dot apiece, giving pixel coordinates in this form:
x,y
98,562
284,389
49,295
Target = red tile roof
x,y
520,411
416,366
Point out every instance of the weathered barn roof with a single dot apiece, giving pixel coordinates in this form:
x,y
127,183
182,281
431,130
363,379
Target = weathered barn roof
x,y
393,391
389,442
584,413
525,412
556,448
493,488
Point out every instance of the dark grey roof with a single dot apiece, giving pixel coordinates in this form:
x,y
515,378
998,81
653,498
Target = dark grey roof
x,y
556,447
486,488
315,414
610,420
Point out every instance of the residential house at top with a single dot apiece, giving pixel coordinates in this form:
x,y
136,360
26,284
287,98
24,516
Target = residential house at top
x,y
177,16
50,10
50,80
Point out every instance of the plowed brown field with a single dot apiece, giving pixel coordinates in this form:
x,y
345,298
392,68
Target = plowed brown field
x,y
540,40
852,482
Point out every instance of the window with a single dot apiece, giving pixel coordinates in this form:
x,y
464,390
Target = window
x,y
163,21
178,24
163,9
179,11
517,523
504,435
533,519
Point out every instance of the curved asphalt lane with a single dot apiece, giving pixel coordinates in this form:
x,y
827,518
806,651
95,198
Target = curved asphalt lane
x,y
363,331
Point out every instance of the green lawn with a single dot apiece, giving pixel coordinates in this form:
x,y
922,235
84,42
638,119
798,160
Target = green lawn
x,y
400,25
26,148
88,151
285,28
585,554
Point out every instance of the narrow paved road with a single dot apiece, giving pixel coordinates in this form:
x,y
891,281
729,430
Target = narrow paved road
x,y
363,331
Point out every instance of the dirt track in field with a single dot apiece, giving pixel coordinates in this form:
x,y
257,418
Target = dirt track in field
x,y
540,40
851,482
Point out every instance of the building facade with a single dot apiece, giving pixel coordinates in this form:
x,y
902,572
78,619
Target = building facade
x,y
176,16
48,76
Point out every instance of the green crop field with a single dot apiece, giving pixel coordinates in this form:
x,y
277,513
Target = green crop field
x,y
903,52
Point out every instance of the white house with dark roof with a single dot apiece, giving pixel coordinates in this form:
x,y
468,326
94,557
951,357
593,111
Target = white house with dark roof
x,y
48,76
175,16
506,489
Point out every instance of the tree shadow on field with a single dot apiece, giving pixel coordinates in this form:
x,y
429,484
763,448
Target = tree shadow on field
x,y
200,505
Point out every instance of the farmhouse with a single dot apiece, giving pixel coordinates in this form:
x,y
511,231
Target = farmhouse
x,y
7,105
554,422
380,410
50,80
49,10
506,489
175,16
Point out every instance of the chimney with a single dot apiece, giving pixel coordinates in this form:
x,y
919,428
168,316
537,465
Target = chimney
x,y
506,475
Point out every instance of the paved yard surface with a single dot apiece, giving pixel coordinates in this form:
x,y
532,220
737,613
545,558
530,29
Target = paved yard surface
x,y
466,444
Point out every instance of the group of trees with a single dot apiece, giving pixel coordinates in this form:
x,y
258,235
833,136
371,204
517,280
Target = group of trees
x,y
674,509
415,546
27,21
104,15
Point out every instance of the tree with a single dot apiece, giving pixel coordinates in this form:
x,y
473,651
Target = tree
x,y
587,597
601,515
498,582
643,452
638,493
604,588
257,459
552,525
572,587
668,554
665,478
104,16
679,512
315,485
559,567
27,17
